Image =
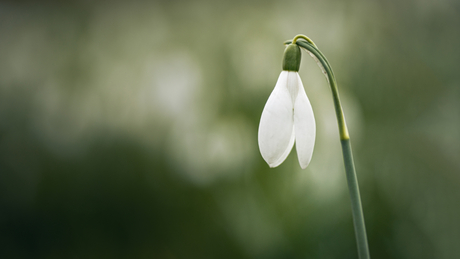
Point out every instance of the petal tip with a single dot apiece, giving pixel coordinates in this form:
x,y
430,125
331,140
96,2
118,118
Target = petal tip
x,y
272,166
304,166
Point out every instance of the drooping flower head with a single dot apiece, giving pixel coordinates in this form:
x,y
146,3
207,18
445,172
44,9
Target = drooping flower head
x,y
287,116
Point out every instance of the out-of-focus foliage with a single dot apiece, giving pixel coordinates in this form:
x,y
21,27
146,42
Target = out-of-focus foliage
x,y
128,129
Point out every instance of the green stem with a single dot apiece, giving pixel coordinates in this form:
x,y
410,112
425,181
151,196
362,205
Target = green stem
x,y
358,217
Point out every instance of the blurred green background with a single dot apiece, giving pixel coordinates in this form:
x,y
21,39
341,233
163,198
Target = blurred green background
x,y
129,129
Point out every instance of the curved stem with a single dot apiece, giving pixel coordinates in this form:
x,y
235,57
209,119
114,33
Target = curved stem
x,y
358,217
301,36
343,130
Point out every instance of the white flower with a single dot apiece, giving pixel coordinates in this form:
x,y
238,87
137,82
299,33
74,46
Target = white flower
x,y
287,118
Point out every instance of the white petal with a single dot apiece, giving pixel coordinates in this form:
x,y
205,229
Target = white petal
x,y
305,127
293,84
276,128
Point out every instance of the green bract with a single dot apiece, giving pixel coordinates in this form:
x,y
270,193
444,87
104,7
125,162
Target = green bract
x,y
291,59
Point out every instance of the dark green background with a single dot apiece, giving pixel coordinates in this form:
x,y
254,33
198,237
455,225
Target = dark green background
x,y
129,129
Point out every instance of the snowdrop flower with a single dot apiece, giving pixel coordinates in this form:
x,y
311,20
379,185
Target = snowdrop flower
x,y
287,116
